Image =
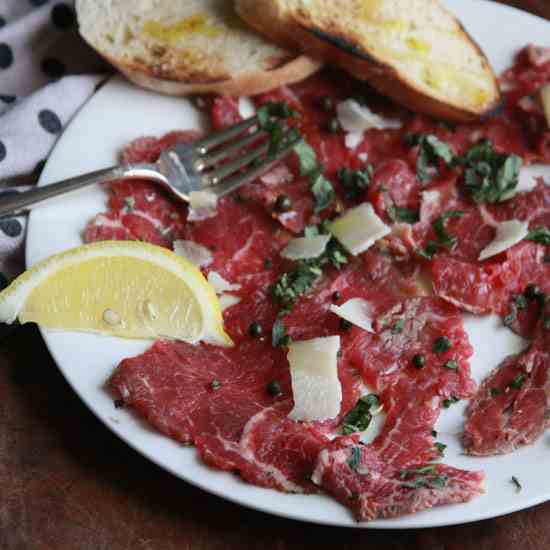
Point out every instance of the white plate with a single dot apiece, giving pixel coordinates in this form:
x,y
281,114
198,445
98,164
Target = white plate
x,y
119,113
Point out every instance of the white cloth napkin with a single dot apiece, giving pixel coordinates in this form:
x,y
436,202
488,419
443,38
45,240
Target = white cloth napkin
x,y
47,72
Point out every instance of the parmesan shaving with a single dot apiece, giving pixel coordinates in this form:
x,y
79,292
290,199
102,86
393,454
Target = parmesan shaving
x,y
316,388
304,248
508,234
219,284
359,228
545,98
228,300
202,205
356,311
197,254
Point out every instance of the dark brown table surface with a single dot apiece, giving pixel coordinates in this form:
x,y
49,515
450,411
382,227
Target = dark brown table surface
x,y
67,483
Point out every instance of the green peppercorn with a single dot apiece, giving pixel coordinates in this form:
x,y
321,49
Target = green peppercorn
x,y
533,292
326,104
283,203
215,385
345,324
273,388
333,126
442,344
255,330
419,361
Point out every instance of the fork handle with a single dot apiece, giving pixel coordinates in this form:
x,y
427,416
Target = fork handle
x,y
17,202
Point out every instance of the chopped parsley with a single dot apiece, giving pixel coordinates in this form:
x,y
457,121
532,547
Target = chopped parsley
x,y
306,157
360,417
440,447
354,182
398,327
442,345
431,152
429,250
404,215
445,239
425,477
279,337
451,364
448,402
434,433
271,110
517,303
322,190
539,235
489,176
517,382
355,459
269,117
516,482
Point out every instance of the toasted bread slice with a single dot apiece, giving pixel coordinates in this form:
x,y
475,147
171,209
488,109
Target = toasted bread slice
x,y
414,51
185,47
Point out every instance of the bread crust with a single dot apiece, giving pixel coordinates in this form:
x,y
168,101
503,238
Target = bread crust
x,y
258,82
300,32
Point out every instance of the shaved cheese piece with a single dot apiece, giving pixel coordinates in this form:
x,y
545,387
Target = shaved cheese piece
x,y
355,119
356,311
359,228
219,284
197,254
304,248
529,177
508,234
246,107
202,205
545,97
228,300
316,388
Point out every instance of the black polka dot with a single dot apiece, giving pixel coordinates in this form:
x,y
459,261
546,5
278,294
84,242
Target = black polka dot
x,y
49,121
37,3
6,56
53,67
2,21
2,151
11,227
62,16
7,98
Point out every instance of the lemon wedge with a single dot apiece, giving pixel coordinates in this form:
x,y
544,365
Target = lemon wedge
x,y
119,288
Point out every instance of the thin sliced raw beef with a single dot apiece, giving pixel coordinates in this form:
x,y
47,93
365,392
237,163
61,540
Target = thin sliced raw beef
x,y
358,477
218,398
511,407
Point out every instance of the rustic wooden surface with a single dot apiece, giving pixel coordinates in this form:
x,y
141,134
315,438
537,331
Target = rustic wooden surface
x,y
67,483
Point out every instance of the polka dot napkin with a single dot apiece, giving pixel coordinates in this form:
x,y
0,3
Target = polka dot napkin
x,y
47,73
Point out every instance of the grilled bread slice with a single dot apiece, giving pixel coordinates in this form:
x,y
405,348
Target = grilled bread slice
x,y
414,51
184,47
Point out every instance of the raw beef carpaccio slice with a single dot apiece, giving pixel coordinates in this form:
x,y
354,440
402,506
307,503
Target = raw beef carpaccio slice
x,y
219,399
511,406
358,477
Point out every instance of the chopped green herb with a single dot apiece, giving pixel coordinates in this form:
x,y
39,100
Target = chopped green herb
x,y
398,327
442,345
360,417
292,284
429,251
434,433
516,482
405,215
517,382
431,152
440,447
355,459
274,109
448,402
425,477
445,239
255,329
279,337
354,182
322,191
451,365
533,292
495,391
490,176
539,235
519,301
422,471
273,388
335,254
419,361
307,158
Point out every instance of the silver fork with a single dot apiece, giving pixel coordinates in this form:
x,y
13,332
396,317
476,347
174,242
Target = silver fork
x,y
182,169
